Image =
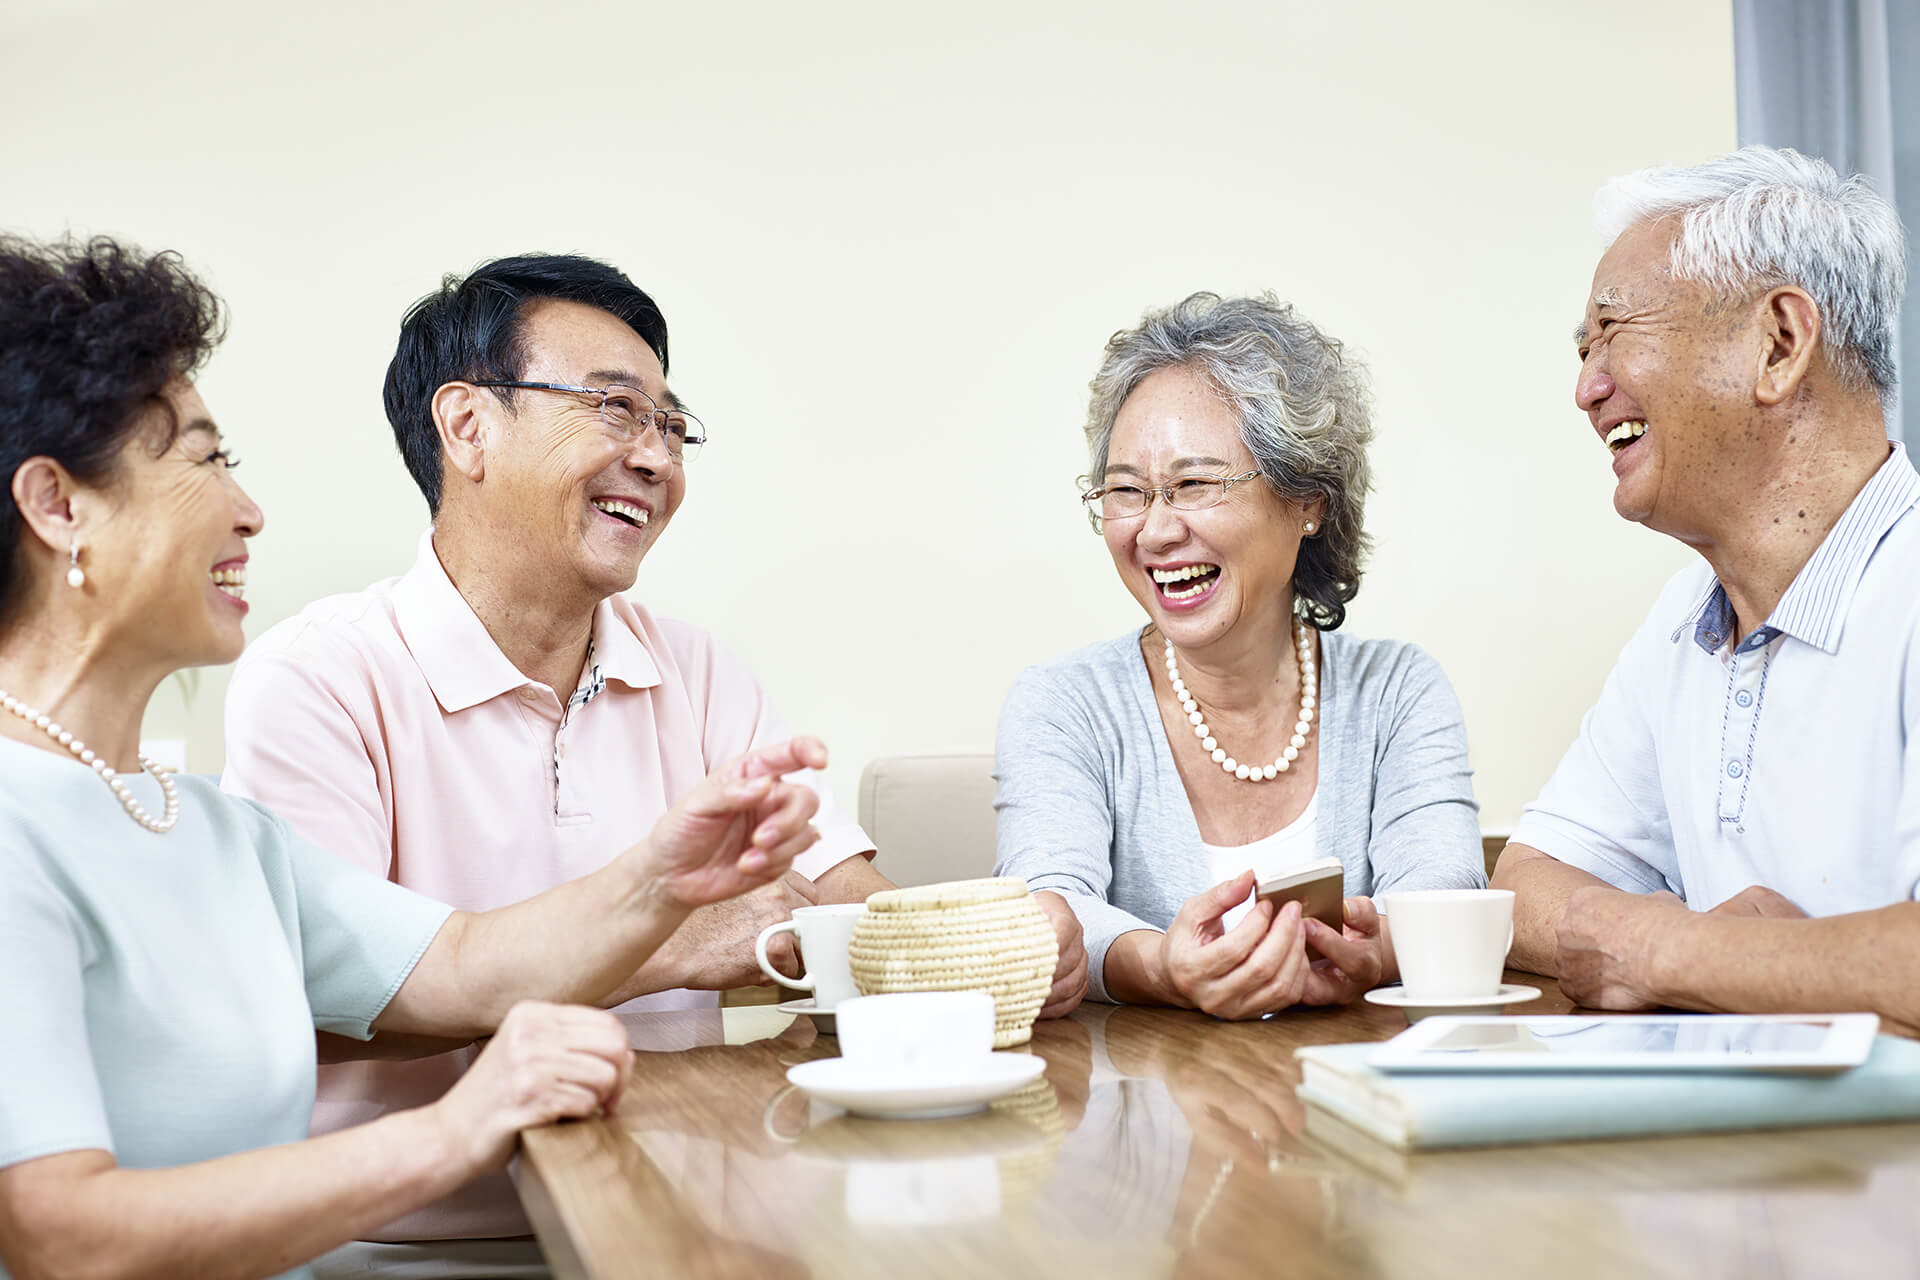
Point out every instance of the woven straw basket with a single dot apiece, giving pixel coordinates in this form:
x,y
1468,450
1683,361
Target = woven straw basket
x,y
965,935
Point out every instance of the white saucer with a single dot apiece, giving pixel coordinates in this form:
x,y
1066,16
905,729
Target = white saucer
x,y
869,1091
822,1018
1397,998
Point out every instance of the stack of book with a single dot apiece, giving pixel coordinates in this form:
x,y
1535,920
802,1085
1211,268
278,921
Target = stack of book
x,y
1419,1111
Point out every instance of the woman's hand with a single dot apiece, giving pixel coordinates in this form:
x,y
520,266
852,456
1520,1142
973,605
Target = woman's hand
x,y
547,1062
1256,967
1070,971
740,828
1350,962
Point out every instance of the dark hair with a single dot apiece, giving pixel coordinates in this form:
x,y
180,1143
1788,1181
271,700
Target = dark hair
x,y
90,334
475,328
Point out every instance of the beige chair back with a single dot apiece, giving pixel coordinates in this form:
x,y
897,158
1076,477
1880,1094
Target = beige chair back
x,y
930,817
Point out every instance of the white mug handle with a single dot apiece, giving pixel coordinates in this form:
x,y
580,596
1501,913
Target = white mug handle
x,y
803,982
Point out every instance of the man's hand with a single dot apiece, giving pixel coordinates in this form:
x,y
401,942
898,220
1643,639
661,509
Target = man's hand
x,y
1070,973
1351,961
1258,966
712,950
1606,944
1758,900
739,828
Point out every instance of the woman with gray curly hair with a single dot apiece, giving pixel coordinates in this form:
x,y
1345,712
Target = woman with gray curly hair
x,y
1148,782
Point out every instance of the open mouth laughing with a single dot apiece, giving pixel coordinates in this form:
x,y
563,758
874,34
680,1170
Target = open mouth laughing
x,y
1625,435
1185,584
628,513
230,580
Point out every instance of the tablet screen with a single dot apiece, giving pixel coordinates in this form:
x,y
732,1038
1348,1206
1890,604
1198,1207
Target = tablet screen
x,y
1604,1035
1658,1042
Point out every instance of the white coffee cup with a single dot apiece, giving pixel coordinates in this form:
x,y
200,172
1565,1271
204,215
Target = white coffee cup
x,y
944,1032
823,933
1451,943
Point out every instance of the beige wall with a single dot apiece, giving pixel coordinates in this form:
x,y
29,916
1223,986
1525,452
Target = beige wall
x,y
890,240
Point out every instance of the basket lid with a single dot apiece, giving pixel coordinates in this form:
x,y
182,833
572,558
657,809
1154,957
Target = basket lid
x,y
951,893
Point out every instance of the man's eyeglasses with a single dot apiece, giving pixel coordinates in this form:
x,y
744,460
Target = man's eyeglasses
x,y
1189,493
626,413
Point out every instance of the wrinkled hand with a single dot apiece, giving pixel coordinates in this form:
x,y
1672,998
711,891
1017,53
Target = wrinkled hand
x,y
546,1062
1258,966
739,828
1070,971
1605,945
1349,962
712,950
1758,900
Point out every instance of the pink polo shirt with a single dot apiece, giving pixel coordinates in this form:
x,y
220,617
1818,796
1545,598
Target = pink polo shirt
x,y
388,728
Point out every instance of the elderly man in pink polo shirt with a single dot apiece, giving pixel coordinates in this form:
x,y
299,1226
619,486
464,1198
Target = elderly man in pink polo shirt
x,y
502,718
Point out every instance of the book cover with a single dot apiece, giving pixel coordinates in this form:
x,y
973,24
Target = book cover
x,y
1417,1112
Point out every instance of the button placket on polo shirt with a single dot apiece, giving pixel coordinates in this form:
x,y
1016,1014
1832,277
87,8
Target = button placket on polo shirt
x,y
571,801
1746,674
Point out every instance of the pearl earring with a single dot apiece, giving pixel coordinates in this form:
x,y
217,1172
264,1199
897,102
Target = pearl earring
x,y
75,578
1311,526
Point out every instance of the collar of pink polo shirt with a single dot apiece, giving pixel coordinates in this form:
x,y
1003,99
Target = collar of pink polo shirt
x,y
462,664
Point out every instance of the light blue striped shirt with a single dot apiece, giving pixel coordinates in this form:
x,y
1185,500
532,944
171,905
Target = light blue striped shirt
x,y
1791,760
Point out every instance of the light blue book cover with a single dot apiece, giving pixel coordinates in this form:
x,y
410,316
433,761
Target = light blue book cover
x,y
1470,1110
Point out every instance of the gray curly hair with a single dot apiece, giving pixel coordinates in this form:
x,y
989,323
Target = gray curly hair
x,y
1304,410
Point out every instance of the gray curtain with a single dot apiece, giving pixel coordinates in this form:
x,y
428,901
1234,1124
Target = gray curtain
x,y
1840,79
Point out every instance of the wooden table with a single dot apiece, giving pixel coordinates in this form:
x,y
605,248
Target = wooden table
x,y
1162,1143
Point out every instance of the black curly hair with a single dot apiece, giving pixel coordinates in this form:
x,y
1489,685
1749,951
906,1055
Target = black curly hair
x,y
91,332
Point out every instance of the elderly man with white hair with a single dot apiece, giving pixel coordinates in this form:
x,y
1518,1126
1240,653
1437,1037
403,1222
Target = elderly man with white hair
x,y
1737,825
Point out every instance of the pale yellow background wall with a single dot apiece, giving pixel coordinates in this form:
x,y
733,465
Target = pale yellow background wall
x,y
890,241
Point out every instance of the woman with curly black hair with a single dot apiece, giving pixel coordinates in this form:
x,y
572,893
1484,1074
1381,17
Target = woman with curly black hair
x,y
169,951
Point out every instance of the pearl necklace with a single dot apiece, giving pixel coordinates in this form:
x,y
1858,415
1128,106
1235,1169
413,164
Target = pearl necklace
x,y
1302,728
159,826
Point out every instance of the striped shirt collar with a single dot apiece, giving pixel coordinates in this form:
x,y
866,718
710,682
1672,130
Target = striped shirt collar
x,y
1814,609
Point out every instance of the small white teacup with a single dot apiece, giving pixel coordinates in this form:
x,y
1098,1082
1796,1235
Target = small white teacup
x,y
948,1032
823,933
1451,943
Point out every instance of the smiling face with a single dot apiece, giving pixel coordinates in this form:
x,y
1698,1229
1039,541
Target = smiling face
x,y
163,542
1200,575
569,498
1666,379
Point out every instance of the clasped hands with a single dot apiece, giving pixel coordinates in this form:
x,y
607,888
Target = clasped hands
x,y
1270,959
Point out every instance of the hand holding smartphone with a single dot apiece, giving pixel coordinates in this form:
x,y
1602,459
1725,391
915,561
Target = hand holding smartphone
x,y
1317,888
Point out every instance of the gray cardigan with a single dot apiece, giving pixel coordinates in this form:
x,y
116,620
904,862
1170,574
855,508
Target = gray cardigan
x,y
1091,805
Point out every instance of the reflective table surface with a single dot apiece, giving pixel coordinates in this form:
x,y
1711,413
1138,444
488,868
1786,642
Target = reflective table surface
x,y
1165,1143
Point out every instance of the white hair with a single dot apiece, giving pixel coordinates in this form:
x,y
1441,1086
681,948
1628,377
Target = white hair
x,y
1762,217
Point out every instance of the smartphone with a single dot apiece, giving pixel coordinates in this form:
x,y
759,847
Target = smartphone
x,y
1318,890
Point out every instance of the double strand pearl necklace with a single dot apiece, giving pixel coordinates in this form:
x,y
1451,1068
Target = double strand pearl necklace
x,y
1302,728
85,754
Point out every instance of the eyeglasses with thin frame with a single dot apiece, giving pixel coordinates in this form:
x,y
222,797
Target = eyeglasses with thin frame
x,y
1188,493
626,413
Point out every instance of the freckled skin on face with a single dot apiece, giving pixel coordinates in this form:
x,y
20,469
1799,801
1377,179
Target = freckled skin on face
x,y
1661,351
1175,424
551,457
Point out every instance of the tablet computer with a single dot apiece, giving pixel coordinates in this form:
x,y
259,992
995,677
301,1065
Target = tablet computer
x,y
1636,1042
